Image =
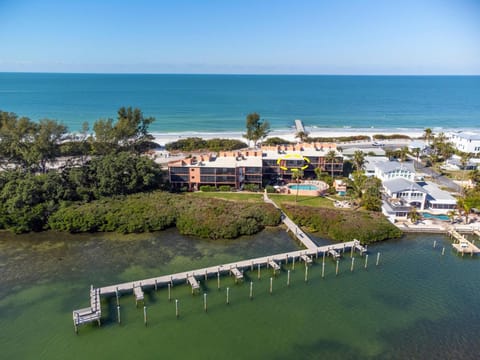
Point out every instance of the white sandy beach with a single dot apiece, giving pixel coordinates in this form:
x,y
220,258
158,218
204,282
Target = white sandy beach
x,y
289,135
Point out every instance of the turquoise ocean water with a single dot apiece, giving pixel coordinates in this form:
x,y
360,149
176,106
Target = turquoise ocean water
x,y
219,103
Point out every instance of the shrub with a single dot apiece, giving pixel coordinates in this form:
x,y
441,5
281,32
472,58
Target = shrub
x,y
251,187
208,188
270,189
225,188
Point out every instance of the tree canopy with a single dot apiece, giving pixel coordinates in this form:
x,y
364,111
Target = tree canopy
x,y
257,129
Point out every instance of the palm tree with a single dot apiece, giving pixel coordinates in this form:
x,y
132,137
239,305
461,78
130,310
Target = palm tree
x,y
428,135
464,205
297,175
451,215
331,158
402,154
413,215
302,136
359,159
416,152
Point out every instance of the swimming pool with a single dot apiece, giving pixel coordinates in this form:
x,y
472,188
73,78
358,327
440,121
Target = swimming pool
x,y
438,217
302,187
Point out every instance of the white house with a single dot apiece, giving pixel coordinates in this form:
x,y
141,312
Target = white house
x,y
410,192
468,142
388,170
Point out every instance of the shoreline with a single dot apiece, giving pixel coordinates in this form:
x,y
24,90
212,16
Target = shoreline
x,y
289,134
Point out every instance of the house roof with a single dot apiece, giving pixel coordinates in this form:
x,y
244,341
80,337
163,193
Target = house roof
x,y
388,166
402,184
436,195
467,135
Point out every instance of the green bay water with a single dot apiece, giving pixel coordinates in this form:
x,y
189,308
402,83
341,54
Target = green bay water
x,y
417,304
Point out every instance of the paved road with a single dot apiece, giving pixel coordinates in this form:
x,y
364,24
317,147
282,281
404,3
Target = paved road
x,y
436,177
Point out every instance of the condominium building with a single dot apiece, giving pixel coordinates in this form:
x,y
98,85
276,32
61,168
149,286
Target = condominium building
x,y
270,164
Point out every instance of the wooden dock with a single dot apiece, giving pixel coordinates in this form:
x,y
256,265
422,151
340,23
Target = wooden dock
x,y
93,313
90,314
462,244
237,273
138,292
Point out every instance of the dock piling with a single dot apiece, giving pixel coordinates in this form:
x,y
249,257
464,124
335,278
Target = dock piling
x,y
306,272
271,285
251,290
434,243
145,315
336,268
156,288
378,259
177,312
288,278
293,263
353,262
205,301
118,314
366,261
169,292
116,294
258,271
218,280
228,295
443,250
323,269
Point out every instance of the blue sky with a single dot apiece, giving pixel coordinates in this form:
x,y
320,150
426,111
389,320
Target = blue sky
x,y
241,36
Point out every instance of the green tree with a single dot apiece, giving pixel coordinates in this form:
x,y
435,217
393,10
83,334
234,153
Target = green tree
x,y
413,215
331,160
359,160
45,142
416,152
256,129
297,176
302,136
428,135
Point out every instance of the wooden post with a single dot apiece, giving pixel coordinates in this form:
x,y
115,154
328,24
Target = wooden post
x,y
251,267
366,261
205,301
206,276
323,270
288,278
443,251
351,252
218,280
145,315
118,314
251,290
169,292
286,259
116,294
271,285
258,271
228,297
306,272
293,263
378,259
156,288
336,269
324,255
177,313
434,243
353,261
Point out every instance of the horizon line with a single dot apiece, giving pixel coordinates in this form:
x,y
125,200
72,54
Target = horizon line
x,y
228,74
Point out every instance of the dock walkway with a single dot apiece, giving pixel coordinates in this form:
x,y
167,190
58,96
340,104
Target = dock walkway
x,y
236,268
299,126
462,244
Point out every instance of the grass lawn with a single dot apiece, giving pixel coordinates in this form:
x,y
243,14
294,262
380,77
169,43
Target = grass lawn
x,y
314,201
251,197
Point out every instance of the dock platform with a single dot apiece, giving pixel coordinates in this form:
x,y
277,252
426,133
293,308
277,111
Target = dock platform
x,y
462,244
193,283
237,273
138,292
306,259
